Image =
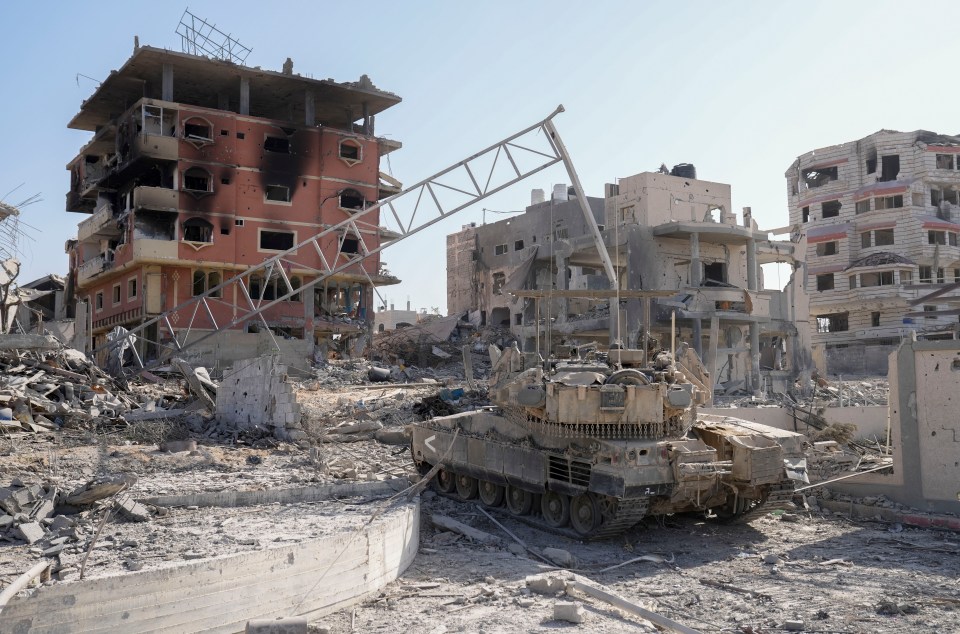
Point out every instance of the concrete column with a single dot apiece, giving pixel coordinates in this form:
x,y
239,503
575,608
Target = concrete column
x,y
166,90
308,325
695,266
244,95
562,285
752,280
696,278
310,106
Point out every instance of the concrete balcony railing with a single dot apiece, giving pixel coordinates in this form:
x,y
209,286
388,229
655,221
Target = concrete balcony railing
x,y
100,224
154,250
157,198
91,268
731,300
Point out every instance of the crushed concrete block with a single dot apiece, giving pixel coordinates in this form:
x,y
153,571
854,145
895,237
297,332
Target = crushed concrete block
x,y
793,626
53,551
6,521
61,522
30,532
133,510
289,625
545,584
567,611
559,556
43,510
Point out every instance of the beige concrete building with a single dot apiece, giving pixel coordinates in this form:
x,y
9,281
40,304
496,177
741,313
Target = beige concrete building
x,y
664,233
881,223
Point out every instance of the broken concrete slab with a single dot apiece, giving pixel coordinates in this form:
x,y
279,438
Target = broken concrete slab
x,y
178,446
100,488
30,532
546,584
132,510
450,524
29,342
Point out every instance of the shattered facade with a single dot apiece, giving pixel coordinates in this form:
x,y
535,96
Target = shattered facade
x,y
199,168
881,222
663,233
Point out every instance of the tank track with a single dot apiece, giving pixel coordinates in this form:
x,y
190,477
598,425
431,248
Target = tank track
x,y
628,513
779,497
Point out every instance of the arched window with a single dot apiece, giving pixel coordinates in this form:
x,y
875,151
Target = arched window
x,y
213,280
197,179
199,283
351,199
197,230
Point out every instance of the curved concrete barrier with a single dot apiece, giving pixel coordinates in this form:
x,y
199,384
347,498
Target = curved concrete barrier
x,y
310,578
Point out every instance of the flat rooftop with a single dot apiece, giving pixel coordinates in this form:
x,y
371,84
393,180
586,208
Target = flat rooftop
x,y
200,81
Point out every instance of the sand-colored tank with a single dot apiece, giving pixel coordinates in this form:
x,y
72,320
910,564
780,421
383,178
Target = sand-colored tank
x,y
590,446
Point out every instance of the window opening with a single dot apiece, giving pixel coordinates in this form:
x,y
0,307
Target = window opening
x,y
197,130
197,230
944,161
98,301
929,309
199,283
499,279
865,240
500,249
213,280
518,245
350,244
132,288
877,278
937,237
819,177
831,208
276,240
351,199
828,248
277,144
883,237
889,202
825,282
889,168
806,214
863,206
872,162
278,193
116,293
875,319
196,179
837,322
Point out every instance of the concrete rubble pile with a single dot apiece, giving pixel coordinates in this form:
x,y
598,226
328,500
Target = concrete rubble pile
x,y
52,520
60,388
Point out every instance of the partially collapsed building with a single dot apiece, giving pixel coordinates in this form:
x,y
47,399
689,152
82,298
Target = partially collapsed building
x,y
880,219
671,233
200,168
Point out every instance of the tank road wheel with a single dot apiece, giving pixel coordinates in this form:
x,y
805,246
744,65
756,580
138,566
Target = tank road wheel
x,y
555,508
584,514
445,481
519,502
490,494
466,486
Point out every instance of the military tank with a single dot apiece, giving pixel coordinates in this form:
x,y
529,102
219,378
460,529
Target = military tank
x,y
589,445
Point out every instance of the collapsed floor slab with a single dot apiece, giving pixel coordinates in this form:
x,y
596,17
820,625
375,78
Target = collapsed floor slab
x,y
311,578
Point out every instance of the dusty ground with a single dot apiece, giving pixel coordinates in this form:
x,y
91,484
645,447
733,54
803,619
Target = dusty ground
x,y
831,573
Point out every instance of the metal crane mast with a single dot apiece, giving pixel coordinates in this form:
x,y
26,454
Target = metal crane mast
x,y
417,207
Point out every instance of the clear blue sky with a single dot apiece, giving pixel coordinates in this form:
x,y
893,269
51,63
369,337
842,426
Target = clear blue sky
x,y
737,88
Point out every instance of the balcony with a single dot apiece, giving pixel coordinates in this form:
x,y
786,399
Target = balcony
x,y
153,250
92,268
156,198
100,225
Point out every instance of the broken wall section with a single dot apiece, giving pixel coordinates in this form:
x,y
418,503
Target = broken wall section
x,y
258,393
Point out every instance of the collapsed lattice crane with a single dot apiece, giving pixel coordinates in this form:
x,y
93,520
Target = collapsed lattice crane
x,y
468,181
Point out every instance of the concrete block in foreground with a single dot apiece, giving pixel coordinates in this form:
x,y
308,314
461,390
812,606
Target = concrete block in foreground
x,y
290,625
